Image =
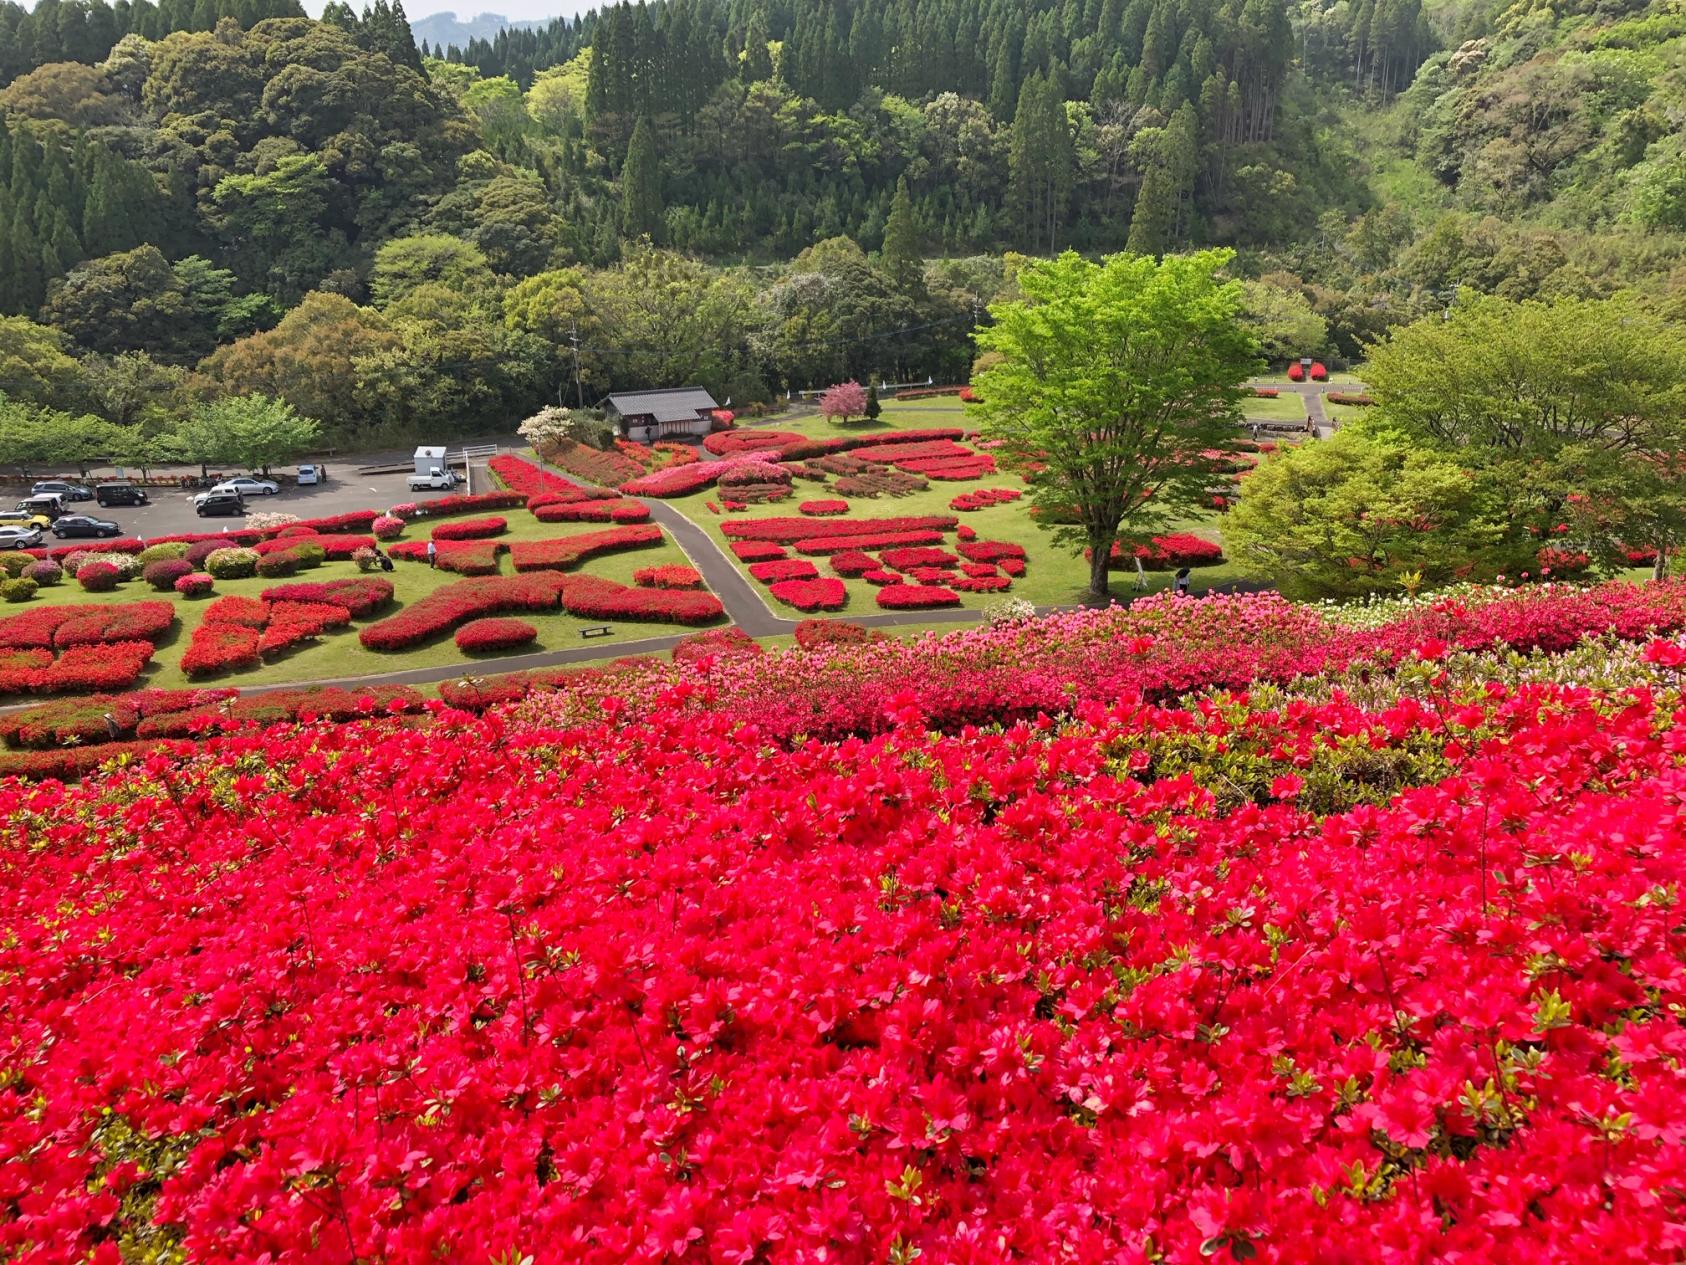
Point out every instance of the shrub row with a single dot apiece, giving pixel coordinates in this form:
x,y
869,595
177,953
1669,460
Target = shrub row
x,y
84,719
667,577
983,498
359,596
453,604
560,553
867,543
470,529
785,531
618,509
592,597
274,707
497,632
460,557
528,480
109,665
445,506
811,595
916,597
757,550
823,509
783,569
86,625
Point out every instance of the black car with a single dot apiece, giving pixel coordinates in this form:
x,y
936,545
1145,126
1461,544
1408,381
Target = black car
x,y
211,504
120,494
69,491
84,525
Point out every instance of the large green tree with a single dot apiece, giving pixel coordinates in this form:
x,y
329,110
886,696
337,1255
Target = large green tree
x,y
641,184
1355,514
1117,381
252,431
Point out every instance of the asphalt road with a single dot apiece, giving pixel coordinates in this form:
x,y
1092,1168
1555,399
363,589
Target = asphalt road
x,y
171,512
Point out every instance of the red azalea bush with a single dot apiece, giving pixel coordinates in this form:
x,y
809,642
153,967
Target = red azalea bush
x,y
221,647
163,575
823,509
562,553
1266,393
359,596
978,583
1167,553
866,542
528,480
470,529
273,707
928,575
1562,563
951,469
85,720
883,578
983,498
787,531
463,503
198,584
727,443
1319,372
87,625
917,597
717,643
499,632
592,597
1357,399
756,551
811,634
1296,372
1297,980
461,557
822,594
1012,566
989,550
387,527
907,559
594,465
98,577
965,532
614,510
787,569
853,562
667,577
443,609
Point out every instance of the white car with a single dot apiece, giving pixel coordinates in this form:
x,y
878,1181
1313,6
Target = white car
x,y
19,537
248,486
308,475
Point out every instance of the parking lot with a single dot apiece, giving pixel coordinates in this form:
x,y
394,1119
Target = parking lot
x,y
171,511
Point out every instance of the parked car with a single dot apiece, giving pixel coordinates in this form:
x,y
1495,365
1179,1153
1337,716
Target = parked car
x,y
247,486
434,479
14,537
69,491
48,505
85,525
309,475
214,503
23,518
120,493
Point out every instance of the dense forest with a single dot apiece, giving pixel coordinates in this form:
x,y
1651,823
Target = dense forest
x,y
209,197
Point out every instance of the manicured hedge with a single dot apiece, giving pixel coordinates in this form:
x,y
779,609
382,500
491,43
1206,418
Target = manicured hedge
x,y
79,625
820,545
785,569
667,577
445,506
561,553
497,632
812,633
983,498
273,707
823,594
757,551
916,597
361,596
907,559
461,557
592,597
84,719
470,529
786,531
110,665
531,481
444,608
618,509
989,550
853,562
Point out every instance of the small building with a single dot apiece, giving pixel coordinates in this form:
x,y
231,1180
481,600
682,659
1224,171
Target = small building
x,y
645,416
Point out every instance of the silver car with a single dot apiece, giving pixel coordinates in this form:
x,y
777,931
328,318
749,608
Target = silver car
x,y
26,537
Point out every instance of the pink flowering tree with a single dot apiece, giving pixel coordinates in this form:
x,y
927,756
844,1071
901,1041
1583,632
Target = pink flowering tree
x,y
843,401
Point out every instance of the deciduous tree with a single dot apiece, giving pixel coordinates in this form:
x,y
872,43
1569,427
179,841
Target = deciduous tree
x,y
1117,381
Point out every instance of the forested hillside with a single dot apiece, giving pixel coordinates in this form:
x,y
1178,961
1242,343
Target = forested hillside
x,y
209,197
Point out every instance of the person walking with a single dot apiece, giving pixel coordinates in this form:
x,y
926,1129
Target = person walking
x,y
1182,582
432,554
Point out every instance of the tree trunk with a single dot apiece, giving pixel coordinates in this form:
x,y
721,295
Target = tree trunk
x,y
1659,568
1099,557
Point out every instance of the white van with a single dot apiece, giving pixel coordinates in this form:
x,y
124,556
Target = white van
x,y
309,475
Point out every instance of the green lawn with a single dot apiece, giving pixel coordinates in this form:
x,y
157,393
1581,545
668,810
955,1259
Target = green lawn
x,y
1286,407
1344,413
340,654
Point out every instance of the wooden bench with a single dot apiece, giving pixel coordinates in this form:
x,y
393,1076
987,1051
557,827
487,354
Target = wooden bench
x,y
602,630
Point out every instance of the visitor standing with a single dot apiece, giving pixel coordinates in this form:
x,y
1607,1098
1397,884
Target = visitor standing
x,y
432,554
1182,582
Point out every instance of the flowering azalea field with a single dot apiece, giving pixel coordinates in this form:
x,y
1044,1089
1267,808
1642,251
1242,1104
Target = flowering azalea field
x,y
1224,929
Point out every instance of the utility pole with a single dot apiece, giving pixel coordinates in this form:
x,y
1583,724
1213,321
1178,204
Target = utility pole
x,y
574,341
